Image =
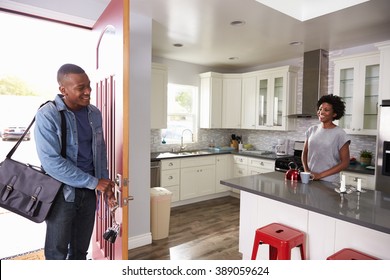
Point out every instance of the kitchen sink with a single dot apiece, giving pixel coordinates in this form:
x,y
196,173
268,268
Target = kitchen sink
x,y
192,153
182,154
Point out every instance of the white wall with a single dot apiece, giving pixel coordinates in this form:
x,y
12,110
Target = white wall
x,y
139,150
184,73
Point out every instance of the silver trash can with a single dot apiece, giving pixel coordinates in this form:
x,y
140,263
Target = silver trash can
x,y
160,212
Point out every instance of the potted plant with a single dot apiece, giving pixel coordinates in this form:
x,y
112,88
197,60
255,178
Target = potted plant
x,y
365,157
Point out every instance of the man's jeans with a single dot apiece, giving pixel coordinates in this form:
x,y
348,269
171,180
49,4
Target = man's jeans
x,y
70,225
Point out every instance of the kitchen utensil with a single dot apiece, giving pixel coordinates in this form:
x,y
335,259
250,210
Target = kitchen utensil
x,y
306,177
293,173
280,150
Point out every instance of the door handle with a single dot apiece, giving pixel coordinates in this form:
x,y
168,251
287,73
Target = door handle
x,y
125,200
122,201
118,180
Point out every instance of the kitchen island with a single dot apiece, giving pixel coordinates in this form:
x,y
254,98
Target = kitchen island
x,y
331,220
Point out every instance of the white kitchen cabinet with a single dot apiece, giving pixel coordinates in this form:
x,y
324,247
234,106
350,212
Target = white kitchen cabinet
x,y
240,170
248,102
210,100
240,160
223,170
158,98
197,177
368,181
231,101
356,80
240,166
384,71
259,166
276,98
170,177
254,100
244,166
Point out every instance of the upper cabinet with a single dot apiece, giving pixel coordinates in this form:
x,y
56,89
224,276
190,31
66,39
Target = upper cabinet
x,y
220,100
248,101
356,80
158,98
384,72
210,100
231,101
255,100
268,97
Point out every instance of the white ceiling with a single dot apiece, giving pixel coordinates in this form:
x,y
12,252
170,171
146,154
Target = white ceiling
x,y
203,27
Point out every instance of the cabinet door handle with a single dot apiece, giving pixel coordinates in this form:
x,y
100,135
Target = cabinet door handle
x,y
170,177
170,164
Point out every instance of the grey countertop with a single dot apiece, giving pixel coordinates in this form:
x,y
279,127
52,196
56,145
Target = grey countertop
x,y
358,168
370,209
207,152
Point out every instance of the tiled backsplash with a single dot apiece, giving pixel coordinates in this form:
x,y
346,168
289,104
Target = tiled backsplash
x,y
261,140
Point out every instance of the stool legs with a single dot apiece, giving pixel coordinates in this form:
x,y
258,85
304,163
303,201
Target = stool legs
x,y
273,253
255,247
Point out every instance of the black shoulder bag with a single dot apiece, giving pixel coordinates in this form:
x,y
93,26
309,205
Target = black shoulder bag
x,y
25,189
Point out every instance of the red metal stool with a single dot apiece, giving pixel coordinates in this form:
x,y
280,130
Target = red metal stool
x,y
281,240
350,254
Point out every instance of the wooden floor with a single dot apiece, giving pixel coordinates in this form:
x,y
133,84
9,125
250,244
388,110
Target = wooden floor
x,y
201,231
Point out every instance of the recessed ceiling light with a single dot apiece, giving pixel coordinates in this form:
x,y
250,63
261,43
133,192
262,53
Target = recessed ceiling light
x,y
178,45
296,43
237,23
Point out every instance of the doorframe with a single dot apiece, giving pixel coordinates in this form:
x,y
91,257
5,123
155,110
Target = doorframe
x,y
126,114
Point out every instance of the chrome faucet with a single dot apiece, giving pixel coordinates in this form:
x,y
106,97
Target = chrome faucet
x,y
182,147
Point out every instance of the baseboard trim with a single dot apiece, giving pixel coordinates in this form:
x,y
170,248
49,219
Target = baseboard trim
x,y
140,240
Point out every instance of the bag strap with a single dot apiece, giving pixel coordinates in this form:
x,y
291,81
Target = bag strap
x,y
63,134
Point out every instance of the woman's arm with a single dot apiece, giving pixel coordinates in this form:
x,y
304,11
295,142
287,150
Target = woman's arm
x,y
304,157
344,162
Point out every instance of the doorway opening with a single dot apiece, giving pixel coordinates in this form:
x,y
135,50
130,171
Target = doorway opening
x,y
31,52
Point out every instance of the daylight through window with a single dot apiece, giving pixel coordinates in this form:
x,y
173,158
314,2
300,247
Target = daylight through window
x,y
182,113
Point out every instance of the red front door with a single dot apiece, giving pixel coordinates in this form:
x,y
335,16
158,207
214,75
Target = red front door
x,y
111,98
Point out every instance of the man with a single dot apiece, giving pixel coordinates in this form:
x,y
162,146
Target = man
x,y
84,170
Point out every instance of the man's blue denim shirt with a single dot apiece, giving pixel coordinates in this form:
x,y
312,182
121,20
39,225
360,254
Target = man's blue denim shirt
x,y
47,135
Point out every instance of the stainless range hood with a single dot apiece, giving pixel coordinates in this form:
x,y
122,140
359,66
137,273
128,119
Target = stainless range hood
x,y
315,82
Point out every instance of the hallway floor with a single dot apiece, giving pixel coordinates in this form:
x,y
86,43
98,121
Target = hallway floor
x,y
201,231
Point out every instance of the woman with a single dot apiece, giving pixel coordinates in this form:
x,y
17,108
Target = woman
x,y
326,149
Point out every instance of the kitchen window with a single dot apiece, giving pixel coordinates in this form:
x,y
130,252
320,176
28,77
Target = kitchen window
x,y
182,114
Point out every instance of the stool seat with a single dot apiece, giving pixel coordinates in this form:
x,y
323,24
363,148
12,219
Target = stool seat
x,y
281,240
350,254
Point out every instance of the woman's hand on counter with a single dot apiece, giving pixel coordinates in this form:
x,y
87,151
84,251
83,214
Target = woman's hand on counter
x,y
316,176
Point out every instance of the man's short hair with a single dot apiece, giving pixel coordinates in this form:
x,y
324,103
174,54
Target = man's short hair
x,y
68,69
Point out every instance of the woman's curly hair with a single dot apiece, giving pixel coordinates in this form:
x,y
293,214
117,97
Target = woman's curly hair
x,y
337,103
